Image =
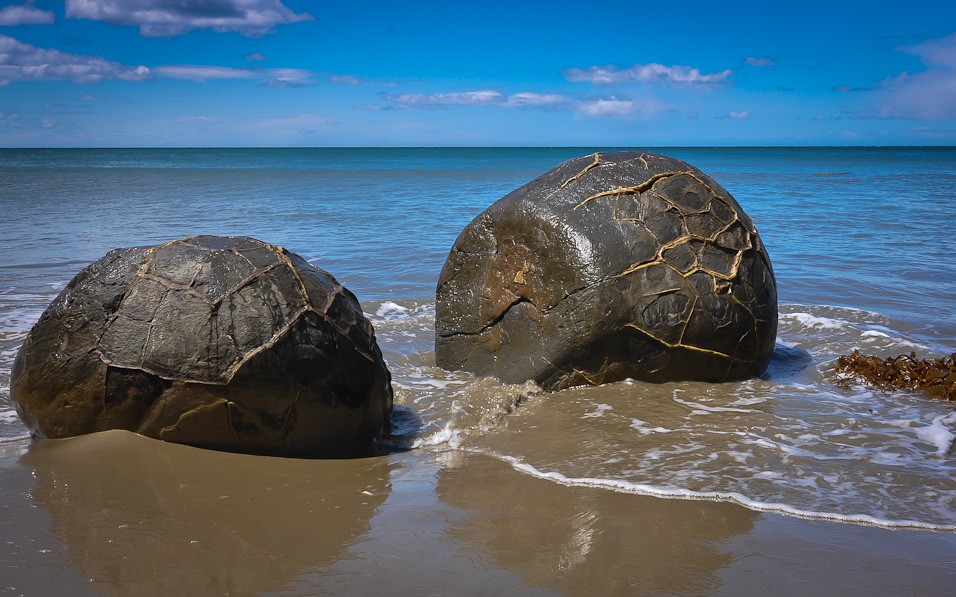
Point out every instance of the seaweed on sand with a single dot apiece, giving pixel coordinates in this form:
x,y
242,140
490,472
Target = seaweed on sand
x,y
936,377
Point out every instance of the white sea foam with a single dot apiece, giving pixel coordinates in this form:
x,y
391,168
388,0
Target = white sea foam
x,y
813,321
828,330
421,383
598,412
643,428
698,407
855,312
405,437
939,432
671,492
890,341
446,435
392,311
749,401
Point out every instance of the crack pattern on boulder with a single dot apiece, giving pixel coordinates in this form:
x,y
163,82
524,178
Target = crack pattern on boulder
x,y
610,266
225,343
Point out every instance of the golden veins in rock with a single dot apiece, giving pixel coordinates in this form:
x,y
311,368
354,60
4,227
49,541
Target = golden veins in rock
x,y
589,167
635,190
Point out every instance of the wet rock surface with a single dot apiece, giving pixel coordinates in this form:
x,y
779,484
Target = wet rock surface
x,y
610,266
224,343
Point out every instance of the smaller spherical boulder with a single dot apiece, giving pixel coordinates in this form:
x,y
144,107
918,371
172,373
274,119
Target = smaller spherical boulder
x,y
223,343
610,266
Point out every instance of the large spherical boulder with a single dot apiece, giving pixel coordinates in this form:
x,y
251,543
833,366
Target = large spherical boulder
x,y
225,343
610,266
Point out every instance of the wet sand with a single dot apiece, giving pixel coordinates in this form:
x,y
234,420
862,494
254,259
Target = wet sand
x,y
115,513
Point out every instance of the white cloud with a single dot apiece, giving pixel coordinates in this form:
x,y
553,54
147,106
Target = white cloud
x,y
273,77
741,115
157,18
619,107
203,73
464,98
600,107
286,77
255,57
930,94
759,61
609,107
936,52
485,97
21,61
353,81
25,14
280,83
647,73
538,100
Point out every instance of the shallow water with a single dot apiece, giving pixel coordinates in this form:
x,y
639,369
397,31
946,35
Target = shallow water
x,y
790,442
118,514
861,241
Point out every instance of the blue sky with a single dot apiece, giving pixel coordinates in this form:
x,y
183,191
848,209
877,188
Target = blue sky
x,y
159,73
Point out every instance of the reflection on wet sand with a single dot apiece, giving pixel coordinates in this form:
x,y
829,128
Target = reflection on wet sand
x,y
586,540
119,514
138,516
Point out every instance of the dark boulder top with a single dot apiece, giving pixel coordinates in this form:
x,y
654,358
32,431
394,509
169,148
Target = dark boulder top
x,y
610,266
221,342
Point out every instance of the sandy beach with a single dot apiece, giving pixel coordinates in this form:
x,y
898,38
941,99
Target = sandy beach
x,y
116,513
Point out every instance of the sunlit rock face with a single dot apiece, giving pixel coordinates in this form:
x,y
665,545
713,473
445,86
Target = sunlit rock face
x,y
610,266
225,343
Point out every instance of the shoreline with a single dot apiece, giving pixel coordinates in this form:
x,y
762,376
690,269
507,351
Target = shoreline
x,y
121,513
735,498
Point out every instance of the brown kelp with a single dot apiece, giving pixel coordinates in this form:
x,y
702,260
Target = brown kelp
x,y
936,377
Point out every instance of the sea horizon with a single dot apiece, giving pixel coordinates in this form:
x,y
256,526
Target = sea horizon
x,y
503,146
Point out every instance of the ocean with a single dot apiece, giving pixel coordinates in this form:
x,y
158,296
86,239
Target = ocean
x,y
862,243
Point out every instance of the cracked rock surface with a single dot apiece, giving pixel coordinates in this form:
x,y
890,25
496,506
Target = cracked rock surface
x,y
610,266
224,343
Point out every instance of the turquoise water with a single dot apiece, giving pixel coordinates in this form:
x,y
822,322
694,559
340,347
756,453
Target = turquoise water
x,y
862,241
